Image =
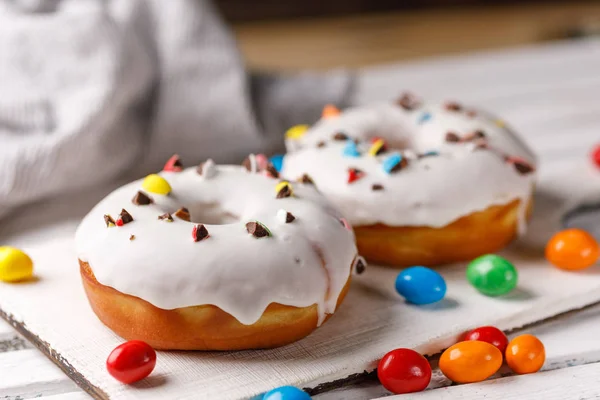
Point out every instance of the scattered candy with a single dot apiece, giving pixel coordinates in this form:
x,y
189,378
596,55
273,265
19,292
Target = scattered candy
x,y
250,163
354,174
283,189
340,136
572,249
199,232
184,214
378,146
359,265
142,199
306,179
207,169
376,186
350,149
452,137
404,371
109,221
492,275
596,156
286,393
154,183
452,106
489,334
424,118
525,354
420,285
277,161
174,164
296,132
15,265
124,218
394,162
257,229
285,216
471,361
166,217
330,111
321,144
131,237
131,361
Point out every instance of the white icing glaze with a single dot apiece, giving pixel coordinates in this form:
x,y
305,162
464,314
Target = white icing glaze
x,y
231,269
431,191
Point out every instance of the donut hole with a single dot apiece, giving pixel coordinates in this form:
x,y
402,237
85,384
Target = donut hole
x,y
211,214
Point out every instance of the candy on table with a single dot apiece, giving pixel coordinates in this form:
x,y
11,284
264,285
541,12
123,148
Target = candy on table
x,y
330,111
470,361
572,249
525,354
277,161
488,334
15,265
404,371
596,155
154,183
286,393
420,285
492,275
131,361
296,132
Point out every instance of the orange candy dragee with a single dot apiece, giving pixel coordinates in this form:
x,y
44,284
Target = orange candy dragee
x,y
471,361
572,249
525,354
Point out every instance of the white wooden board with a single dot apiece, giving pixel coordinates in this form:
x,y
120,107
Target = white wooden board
x,y
559,117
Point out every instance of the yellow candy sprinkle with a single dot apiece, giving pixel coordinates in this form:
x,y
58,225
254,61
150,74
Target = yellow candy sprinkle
x,y
376,147
284,189
296,132
15,265
156,184
500,123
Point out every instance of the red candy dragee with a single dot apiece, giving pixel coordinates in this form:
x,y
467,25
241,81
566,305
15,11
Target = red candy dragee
x,y
488,334
131,361
404,371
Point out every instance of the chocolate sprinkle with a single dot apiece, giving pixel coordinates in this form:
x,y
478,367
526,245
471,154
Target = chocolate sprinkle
x,y
477,135
125,217
132,237
183,213
166,217
257,229
377,186
272,171
142,199
522,167
452,106
108,220
306,179
340,136
452,137
285,191
199,232
402,164
471,113
408,101
247,164
289,217
321,144
360,266
200,168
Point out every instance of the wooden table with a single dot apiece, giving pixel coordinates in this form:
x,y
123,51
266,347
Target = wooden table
x,y
573,367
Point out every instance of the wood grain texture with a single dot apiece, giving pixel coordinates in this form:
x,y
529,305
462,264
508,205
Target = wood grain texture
x,y
545,92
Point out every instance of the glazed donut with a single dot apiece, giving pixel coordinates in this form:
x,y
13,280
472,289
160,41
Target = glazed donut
x,y
422,184
215,258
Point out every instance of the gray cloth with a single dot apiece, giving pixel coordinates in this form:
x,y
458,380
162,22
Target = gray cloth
x,y
93,90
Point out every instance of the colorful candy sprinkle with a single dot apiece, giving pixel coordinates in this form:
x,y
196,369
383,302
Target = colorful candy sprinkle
x,y
378,146
404,371
408,101
285,216
207,169
15,265
142,199
131,361
345,224
492,275
184,214
421,285
572,249
525,354
109,221
283,189
471,361
124,218
296,132
351,149
394,162
596,156
360,265
286,393
489,334
354,174
199,232
424,118
257,229
174,164
330,111
277,161
154,183
522,166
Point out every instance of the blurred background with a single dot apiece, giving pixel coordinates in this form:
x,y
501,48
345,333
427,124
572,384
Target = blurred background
x,y
291,35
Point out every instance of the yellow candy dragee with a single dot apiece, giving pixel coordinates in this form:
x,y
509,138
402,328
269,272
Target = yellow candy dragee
x,y
156,184
296,131
15,265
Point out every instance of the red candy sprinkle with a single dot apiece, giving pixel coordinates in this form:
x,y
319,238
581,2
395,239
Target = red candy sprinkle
x,y
489,334
119,222
131,361
173,164
596,155
354,174
404,371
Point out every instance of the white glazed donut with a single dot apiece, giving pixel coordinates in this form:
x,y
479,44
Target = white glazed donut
x,y
236,289
450,163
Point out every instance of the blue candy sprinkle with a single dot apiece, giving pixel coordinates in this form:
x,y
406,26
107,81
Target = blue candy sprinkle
x,y
430,154
277,161
350,150
286,393
426,116
420,285
390,162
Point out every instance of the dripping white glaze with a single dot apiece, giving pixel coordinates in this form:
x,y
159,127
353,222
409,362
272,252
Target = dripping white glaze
x,y
231,269
431,191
